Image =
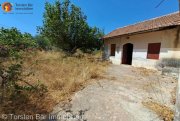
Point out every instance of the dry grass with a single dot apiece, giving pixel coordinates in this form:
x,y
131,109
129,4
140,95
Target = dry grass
x,y
62,75
162,111
173,95
144,71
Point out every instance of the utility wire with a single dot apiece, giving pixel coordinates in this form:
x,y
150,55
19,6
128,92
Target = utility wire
x,y
162,1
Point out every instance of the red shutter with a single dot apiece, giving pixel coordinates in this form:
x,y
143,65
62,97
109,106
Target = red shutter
x,y
153,50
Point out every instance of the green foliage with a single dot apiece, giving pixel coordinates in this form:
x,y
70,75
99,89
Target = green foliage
x,y
12,83
12,76
12,45
15,39
66,27
52,24
4,51
43,42
12,41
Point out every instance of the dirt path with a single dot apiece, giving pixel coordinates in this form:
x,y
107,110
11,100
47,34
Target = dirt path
x,y
119,97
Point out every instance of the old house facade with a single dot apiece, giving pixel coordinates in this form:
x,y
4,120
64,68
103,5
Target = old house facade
x,y
145,43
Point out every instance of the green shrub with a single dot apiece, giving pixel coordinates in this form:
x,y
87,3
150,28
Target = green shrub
x,y
15,40
12,45
4,51
43,43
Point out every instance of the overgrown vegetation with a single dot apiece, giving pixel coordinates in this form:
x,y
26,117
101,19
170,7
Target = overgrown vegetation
x,y
66,27
38,72
63,74
43,42
55,76
13,42
15,89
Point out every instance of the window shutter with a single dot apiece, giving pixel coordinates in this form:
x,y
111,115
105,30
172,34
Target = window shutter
x,y
153,50
113,49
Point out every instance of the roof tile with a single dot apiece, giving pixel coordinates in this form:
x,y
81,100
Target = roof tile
x,y
160,22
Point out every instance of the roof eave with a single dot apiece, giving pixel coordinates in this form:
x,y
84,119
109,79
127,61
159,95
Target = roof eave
x,y
141,32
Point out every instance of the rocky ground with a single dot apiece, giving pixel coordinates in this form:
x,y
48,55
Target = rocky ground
x,y
118,97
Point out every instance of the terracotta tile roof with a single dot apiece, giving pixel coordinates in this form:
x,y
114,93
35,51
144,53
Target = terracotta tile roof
x,y
149,25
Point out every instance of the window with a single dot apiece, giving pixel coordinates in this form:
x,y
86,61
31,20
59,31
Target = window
x,y
153,50
113,49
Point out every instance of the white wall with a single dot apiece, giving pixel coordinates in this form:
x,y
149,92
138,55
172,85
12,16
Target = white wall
x,y
140,41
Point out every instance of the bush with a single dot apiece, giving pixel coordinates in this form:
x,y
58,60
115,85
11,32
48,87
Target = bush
x,y
15,40
43,43
4,51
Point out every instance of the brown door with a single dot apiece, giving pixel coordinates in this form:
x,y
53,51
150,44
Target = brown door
x,y
127,54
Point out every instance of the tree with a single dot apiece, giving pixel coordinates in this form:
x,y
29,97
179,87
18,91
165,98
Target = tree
x,y
52,24
66,27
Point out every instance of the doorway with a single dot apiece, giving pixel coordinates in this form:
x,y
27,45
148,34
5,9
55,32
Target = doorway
x,y
127,54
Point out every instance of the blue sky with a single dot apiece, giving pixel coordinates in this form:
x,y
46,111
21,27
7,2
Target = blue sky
x,y
105,14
